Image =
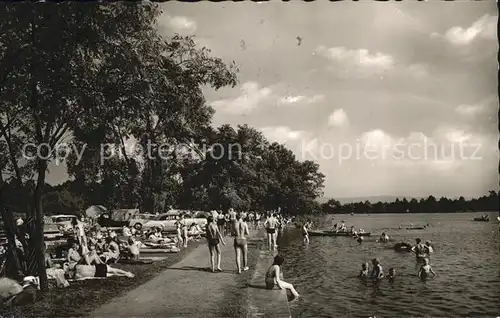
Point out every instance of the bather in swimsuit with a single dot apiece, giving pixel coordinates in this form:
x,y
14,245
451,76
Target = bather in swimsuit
x,y
101,270
240,242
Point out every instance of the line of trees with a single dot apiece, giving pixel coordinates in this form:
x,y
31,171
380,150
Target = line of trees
x,y
95,74
430,204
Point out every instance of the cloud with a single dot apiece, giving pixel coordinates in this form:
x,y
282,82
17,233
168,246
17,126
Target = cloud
x,y
281,134
286,100
485,27
250,97
338,119
469,110
360,59
178,24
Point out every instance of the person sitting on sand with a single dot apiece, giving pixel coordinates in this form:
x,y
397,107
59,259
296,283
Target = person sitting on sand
x,y
91,271
214,237
91,257
425,270
377,271
384,238
273,277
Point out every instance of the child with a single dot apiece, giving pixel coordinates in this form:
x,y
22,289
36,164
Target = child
x,y
273,277
392,274
425,270
363,274
133,247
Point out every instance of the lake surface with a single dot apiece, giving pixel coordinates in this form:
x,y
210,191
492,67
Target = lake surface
x,y
466,260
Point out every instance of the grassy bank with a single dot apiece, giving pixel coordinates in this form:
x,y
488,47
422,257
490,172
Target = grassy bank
x,y
82,297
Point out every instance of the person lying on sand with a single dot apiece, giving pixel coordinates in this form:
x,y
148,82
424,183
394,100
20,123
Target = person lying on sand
x,y
91,271
273,277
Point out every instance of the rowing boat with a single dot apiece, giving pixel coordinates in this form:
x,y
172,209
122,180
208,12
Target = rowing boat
x,y
333,233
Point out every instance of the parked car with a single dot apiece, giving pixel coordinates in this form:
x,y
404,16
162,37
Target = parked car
x,y
139,219
117,218
167,221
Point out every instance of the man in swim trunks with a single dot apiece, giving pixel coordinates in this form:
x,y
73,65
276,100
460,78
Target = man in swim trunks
x,y
270,225
240,242
425,270
214,237
232,220
419,249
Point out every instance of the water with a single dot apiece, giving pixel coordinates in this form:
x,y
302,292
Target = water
x,y
466,260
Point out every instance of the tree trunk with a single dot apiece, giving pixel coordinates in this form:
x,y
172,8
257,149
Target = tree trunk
x,y
38,237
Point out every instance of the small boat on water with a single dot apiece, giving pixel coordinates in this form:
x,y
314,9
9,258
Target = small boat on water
x,y
402,247
416,228
483,218
333,233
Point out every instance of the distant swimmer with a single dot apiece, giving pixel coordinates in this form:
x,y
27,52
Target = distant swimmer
x,y
384,238
273,277
360,239
425,271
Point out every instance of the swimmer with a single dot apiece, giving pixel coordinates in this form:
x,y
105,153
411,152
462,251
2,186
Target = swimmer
x,y
419,249
305,232
377,271
384,238
363,274
392,274
360,239
273,277
425,270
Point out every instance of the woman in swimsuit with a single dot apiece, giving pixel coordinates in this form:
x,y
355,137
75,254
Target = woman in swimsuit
x,y
213,239
240,242
273,277
91,271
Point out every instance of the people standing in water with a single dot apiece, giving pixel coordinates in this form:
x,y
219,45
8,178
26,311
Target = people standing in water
x,y
428,250
377,271
240,242
270,226
305,232
425,270
419,249
273,277
214,238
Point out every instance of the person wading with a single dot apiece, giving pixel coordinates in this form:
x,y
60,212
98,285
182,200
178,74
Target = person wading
x,y
240,242
214,238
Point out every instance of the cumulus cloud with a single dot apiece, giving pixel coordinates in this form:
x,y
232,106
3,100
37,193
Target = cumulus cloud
x,y
338,119
281,134
485,27
362,60
178,24
286,100
251,95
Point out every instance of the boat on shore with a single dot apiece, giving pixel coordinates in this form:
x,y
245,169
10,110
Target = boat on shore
x,y
482,218
333,233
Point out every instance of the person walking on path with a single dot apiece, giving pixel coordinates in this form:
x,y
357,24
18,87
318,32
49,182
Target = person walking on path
x,y
270,226
214,238
240,242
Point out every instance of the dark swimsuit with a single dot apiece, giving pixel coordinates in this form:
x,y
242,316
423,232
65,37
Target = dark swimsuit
x,y
271,231
212,241
101,270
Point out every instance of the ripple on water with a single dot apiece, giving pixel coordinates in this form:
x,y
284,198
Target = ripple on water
x,y
465,260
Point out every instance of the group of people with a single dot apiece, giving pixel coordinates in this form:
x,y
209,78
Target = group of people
x,y
215,236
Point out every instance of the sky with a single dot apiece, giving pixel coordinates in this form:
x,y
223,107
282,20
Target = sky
x,y
393,98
